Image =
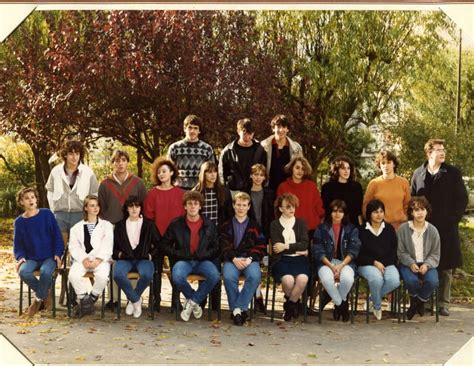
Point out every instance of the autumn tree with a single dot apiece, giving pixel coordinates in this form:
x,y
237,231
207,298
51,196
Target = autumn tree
x,y
337,71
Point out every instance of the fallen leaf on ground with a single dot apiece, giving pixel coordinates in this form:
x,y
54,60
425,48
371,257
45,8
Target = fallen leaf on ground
x,y
23,331
312,355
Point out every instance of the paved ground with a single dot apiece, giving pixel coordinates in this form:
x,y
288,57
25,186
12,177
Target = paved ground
x,y
141,341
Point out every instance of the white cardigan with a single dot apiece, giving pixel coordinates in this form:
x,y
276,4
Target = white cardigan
x,y
102,241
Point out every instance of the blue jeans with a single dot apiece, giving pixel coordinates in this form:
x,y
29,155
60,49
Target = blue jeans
x,y
420,286
231,274
40,286
326,276
145,269
66,220
380,284
206,268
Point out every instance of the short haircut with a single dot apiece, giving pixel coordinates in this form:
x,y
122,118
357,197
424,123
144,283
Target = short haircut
x,y
430,144
280,120
259,168
131,201
337,163
288,197
386,155
72,146
372,206
157,164
337,204
192,119
418,202
193,196
22,192
306,166
88,198
120,154
246,125
243,196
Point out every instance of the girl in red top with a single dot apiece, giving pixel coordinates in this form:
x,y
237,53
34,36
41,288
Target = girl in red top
x,y
300,184
163,203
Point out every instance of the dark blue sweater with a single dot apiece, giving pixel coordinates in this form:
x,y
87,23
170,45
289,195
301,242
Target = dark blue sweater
x,y
37,237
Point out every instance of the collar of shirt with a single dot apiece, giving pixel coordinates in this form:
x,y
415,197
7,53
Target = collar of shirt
x,y
371,229
118,180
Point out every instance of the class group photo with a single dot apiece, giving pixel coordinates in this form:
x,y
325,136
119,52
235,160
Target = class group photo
x,y
223,187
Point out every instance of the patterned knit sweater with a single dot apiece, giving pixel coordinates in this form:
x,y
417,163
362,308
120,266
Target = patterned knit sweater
x,y
188,157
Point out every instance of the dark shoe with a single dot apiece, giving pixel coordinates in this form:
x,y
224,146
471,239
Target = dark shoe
x,y
298,309
337,312
86,306
238,320
111,305
346,316
420,309
443,311
245,316
290,310
260,305
413,307
325,299
34,307
285,304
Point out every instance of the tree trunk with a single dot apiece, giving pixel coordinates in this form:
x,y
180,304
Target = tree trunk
x,y
42,170
139,164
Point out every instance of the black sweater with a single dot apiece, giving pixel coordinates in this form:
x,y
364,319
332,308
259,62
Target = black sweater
x,y
382,248
148,244
350,193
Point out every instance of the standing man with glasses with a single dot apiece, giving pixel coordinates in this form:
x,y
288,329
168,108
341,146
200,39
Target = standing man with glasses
x,y
444,188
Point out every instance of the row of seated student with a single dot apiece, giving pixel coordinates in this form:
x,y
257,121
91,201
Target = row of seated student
x,y
193,245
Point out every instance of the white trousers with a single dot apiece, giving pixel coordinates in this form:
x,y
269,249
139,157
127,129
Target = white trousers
x,y
83,285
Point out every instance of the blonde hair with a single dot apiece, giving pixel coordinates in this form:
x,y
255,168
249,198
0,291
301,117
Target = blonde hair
x,y
89,198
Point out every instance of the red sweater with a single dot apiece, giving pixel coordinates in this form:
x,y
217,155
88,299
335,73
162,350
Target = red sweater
x,y
311,205
163,206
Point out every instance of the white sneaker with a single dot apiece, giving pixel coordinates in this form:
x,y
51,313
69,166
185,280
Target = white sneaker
x,y
129,308
187,310
378,313
137,309
197,310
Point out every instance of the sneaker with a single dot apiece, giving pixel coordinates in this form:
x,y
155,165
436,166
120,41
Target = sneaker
x,y
197,310
137,309
34,307
245,316
238,320
129,308
187,310
377,313
86,306
443,311
371,306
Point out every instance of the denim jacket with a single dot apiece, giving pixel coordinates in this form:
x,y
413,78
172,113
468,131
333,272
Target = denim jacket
x,y
324,244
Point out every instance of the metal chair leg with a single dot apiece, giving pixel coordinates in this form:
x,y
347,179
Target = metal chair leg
x,y
273,301
20,309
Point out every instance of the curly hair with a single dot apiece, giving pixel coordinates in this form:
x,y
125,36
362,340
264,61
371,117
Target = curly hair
x,y
386,155
157,164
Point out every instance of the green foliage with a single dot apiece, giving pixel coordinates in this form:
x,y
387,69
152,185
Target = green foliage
x,y
430,112
463,284
16,171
